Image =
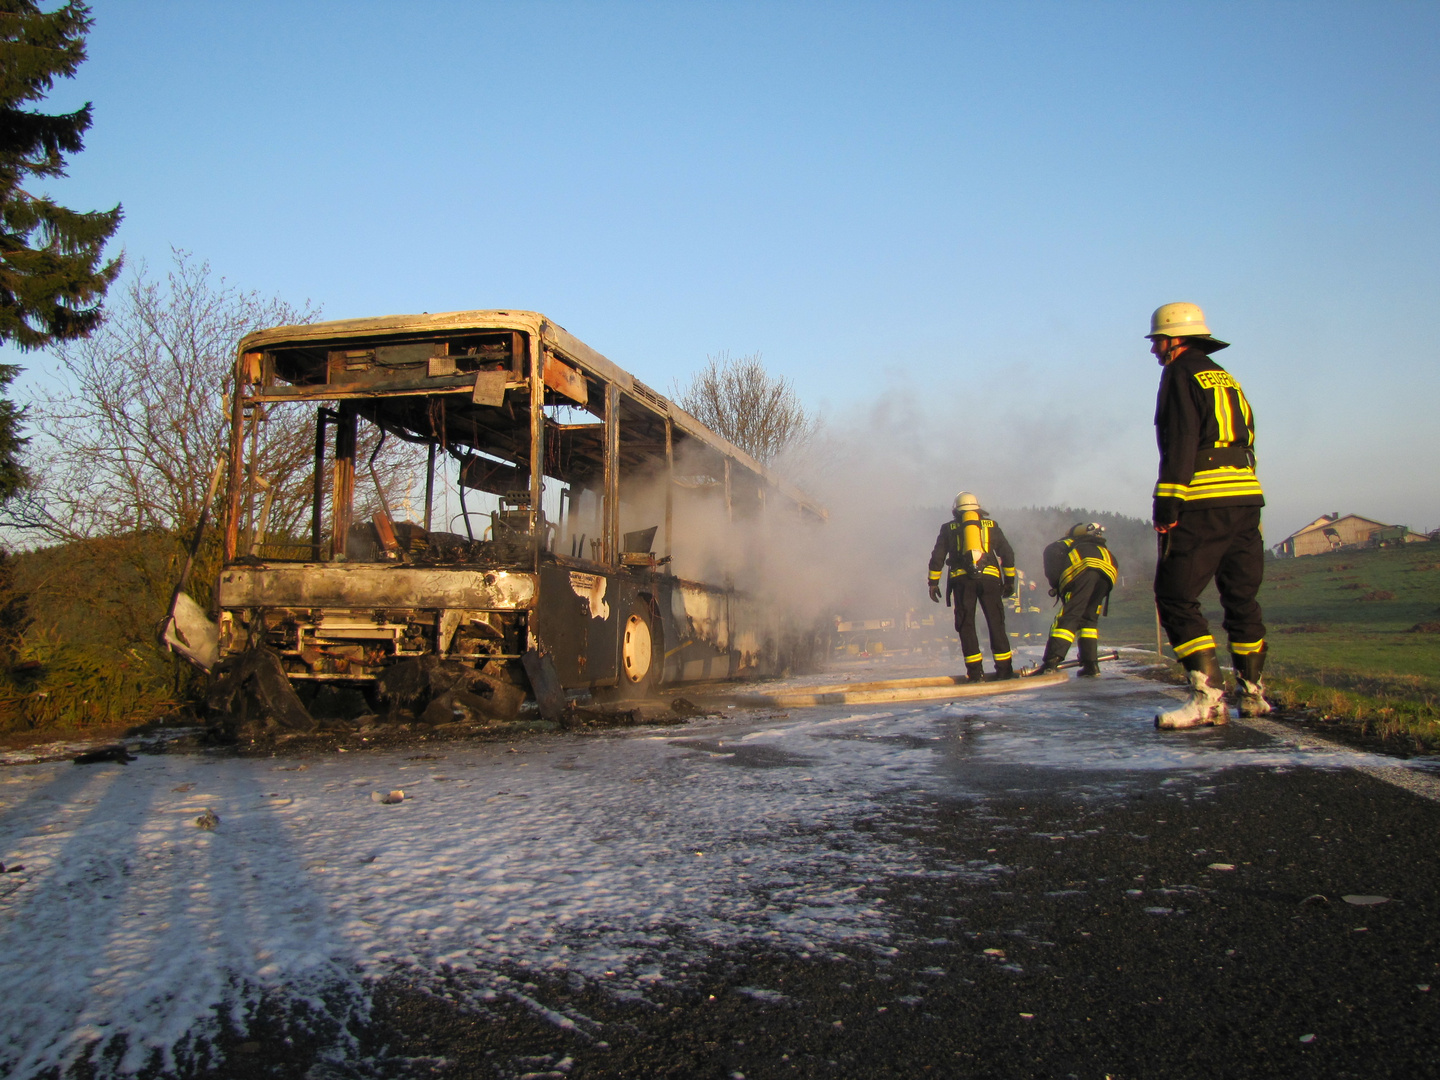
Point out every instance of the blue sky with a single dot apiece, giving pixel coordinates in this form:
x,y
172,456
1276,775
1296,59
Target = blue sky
x,y
971,209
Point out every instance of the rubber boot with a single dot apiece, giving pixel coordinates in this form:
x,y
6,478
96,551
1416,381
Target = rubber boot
x,y
1004,669
1055,650
1089,657
1206,704
1250,690
974,672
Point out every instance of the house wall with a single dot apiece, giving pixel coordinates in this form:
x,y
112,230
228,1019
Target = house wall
x,y
1351,529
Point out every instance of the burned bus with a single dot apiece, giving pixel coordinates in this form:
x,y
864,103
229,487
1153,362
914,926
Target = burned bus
x,y
570,514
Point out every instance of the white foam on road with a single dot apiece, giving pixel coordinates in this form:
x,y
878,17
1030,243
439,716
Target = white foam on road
x,y
611,857
619,858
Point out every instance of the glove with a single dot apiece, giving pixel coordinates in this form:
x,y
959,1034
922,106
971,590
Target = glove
x,y
935,591
1009,589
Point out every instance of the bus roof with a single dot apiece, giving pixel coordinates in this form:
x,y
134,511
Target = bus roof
x,y
552,335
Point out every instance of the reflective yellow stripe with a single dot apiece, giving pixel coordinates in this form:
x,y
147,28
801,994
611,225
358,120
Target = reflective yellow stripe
x,y
999,656
991,571
1194,645
1063,634
1089,632
1009,571
975,659
1247,648
934,575
1224,418
1220,483
1103,562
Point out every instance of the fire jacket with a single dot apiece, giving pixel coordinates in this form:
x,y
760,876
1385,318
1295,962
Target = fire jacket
x,y
1067,559
997,560
1206,435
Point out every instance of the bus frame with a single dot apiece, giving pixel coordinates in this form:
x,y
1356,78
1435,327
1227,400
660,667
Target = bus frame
x,y
604,613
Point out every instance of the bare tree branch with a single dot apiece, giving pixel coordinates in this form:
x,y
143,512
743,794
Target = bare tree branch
x,y
737,398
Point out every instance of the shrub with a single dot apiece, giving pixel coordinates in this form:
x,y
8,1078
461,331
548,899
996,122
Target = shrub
x,y
59,687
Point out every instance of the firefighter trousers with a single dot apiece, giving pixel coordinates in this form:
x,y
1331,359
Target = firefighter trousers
x,y
984,590
1222,544
1079,619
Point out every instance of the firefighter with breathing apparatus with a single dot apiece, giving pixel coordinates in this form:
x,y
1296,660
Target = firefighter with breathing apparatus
x,y
1081,572
981,567
1207,514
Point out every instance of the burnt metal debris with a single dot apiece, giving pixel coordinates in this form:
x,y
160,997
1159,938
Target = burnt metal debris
x,y
588,570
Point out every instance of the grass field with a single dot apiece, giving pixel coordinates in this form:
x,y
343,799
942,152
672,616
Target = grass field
x,y
1355,634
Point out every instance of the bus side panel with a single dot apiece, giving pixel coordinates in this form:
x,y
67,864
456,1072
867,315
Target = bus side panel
x,y
576,619
697,633
753,633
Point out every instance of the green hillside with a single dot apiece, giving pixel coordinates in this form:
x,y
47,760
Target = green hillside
x,y
1355,631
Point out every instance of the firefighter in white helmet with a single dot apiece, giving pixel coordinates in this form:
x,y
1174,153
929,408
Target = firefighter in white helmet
x,y
981,568
1207,513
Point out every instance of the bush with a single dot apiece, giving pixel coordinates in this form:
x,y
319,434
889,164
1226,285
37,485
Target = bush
x,y
59,687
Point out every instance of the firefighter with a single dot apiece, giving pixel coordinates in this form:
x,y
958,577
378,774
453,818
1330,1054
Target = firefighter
x,y
981,568
1207,514
1082,572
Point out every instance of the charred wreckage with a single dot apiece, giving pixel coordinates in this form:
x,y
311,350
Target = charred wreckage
x,y
585,548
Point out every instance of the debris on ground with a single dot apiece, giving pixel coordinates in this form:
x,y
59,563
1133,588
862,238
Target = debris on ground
x,y
1365,901
592,716
104,754
332,702
684,707
388,798
208,820
434,691
252,697
545,682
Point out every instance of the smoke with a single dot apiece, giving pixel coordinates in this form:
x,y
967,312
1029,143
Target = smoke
x,y
886,473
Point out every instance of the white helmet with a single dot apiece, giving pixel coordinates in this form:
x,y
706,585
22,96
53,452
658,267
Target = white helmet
x,y
965,501
1183,320
1087,530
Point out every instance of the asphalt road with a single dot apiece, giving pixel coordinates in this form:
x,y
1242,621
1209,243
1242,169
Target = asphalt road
x,y
1072,895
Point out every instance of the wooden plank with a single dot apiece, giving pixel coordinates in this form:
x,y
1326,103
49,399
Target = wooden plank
x,y
564,379
386,531
342,493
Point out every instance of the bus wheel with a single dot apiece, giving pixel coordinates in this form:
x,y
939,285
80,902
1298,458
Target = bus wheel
x,y
638,654
641,658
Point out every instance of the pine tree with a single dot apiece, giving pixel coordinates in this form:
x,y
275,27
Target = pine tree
x,y
52,279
